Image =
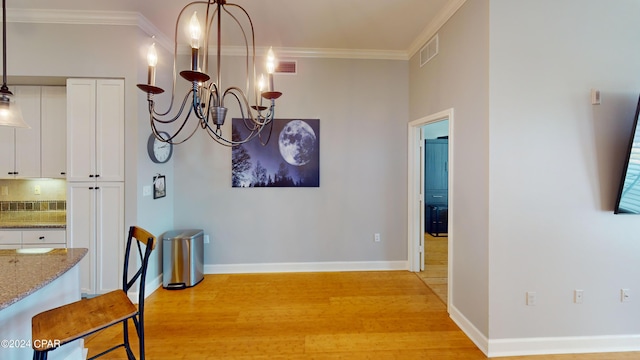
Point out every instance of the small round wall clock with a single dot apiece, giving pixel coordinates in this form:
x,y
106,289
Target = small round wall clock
x,y
160,152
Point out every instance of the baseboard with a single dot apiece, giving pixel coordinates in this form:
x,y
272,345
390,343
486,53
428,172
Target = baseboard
x,y
305,267
477,337
563,345
544,346
149,288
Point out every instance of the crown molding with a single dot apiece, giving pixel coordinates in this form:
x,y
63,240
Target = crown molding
x,y
83,17
129,18
435,25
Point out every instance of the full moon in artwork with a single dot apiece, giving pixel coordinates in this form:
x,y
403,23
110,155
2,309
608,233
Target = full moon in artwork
x,y
297,142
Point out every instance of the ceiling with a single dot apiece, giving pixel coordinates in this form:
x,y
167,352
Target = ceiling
x,y
398,26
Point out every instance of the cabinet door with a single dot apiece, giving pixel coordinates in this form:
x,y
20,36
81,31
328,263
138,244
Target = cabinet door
x,y
27,149
43,238
436,164
110,130
7,149
81,229
10,239
81,129
109,236
54,132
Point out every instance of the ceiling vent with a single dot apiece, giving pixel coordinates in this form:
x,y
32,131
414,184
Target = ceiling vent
x,y
429,51
287,67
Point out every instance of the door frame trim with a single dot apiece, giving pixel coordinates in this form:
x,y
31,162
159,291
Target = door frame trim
x,y
415,188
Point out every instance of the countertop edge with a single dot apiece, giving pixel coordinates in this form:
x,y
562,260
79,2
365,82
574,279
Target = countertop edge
x,y
70,263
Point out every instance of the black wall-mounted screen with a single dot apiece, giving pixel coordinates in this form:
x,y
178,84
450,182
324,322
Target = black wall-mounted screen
x,y
628,200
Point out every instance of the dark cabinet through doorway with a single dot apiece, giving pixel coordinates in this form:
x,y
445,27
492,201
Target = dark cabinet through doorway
x,y
436,181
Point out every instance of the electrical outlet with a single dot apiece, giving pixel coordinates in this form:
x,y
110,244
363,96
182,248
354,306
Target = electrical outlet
x,y
532,298
376,237
625,295
4,190
36,190
146,190
578,296
206,239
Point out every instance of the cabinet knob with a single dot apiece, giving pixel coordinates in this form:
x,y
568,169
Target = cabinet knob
x,y
63,173
41,238
91,188
97,187
97,175
91,175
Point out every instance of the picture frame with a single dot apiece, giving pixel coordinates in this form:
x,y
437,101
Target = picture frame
x,y
159,187
287,155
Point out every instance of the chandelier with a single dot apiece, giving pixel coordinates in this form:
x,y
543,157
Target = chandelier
x,y
10,114
206,97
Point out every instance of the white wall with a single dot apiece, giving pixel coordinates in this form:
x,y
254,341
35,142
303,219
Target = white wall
x,y
555,164
362,107
458,78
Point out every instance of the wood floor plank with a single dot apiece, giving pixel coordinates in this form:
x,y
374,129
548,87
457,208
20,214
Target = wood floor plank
x,y
303,316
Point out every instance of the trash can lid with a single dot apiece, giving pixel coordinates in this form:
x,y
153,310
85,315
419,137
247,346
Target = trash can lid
x,y
182,234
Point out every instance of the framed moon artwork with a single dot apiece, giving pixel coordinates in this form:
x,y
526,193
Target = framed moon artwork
x,y
290,158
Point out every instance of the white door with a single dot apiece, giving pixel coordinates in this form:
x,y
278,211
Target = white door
x,y
110,130
81,129
7,149
81,229
109,236
27,149
53,124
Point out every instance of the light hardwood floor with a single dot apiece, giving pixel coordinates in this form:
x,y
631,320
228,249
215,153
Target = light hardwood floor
x,y
319,316
435,273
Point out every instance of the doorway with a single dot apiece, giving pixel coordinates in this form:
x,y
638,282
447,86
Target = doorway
x,y
430,213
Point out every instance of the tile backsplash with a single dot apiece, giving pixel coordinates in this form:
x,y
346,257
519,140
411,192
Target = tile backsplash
x,y
29,205
32,202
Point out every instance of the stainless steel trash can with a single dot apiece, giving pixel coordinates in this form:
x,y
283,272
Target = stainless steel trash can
x,y
182,258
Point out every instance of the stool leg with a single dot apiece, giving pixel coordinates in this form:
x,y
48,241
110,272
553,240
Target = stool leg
x,y
40,355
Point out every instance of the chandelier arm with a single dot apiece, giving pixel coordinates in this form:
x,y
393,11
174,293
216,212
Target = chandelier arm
x,y
233,90
171,137
154,114
216,133
246,45
270,125
213,88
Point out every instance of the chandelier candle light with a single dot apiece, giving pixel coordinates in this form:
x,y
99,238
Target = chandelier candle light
x,y
206,95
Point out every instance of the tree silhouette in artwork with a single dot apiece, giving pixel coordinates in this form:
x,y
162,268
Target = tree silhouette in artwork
x,y
240,160
259,175
282,177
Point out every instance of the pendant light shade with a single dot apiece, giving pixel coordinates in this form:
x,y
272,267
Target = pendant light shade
x,y
10,113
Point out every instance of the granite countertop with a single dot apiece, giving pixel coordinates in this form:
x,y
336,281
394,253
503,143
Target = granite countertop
x,y
21,274
34,225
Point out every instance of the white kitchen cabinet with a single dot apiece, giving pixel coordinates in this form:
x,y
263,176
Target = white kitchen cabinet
x,y
53,121
95,129
48,238
32,238
21,147
95,220
35,152
10,239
